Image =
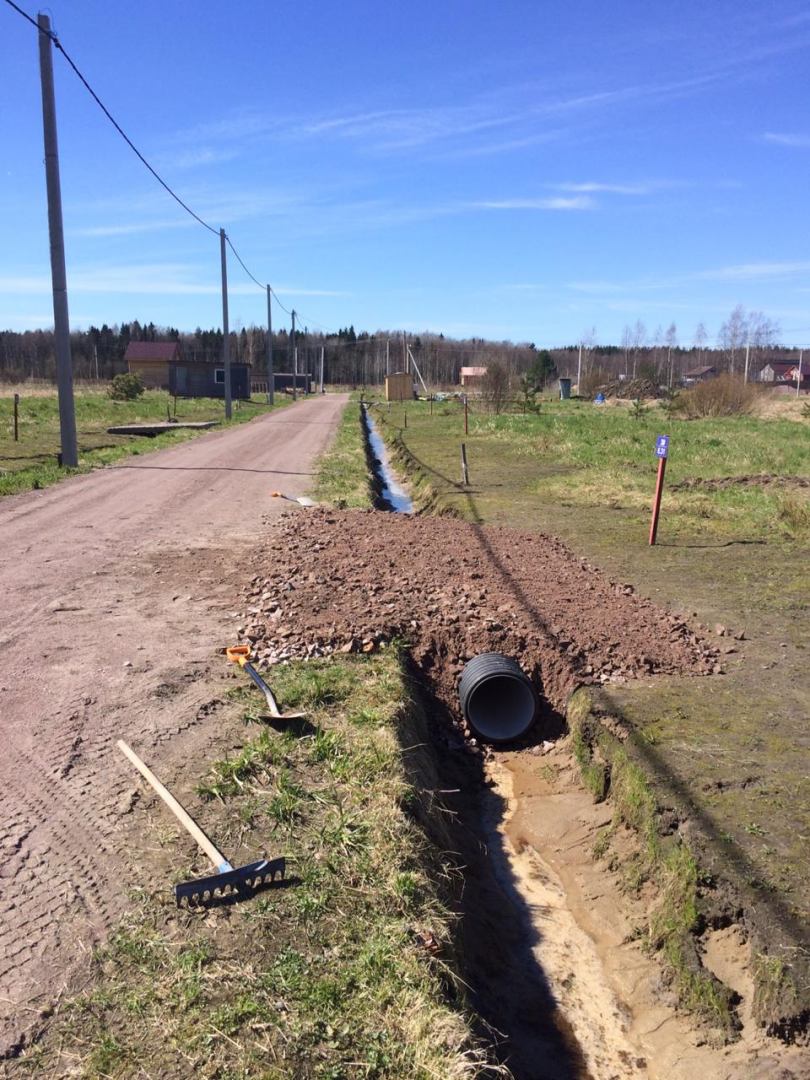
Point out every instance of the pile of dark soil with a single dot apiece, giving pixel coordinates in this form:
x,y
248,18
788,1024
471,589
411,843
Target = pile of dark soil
x,y
630,389
351,581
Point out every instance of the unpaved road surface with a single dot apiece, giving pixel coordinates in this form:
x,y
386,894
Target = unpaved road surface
x,y
114,590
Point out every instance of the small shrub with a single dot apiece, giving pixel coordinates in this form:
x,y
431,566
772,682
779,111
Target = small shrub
x,y
126,387
726,395
638,409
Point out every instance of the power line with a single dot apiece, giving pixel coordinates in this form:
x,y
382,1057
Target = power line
x,y
239,260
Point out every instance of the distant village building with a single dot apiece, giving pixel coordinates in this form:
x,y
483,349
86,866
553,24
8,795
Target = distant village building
x,y
472,376
700,374
779,370
161,366
151,360
399,387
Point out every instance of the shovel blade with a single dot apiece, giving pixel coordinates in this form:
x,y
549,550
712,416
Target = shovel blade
x,y
236,884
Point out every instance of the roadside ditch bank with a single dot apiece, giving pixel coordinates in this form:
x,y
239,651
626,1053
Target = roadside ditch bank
x,y
730,957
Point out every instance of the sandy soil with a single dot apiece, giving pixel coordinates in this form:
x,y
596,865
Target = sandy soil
x,y
609,987
115,587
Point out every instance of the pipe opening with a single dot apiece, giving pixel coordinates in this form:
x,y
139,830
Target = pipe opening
x,y
498,701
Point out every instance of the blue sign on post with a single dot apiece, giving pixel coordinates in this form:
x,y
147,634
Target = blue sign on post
x,y
662,446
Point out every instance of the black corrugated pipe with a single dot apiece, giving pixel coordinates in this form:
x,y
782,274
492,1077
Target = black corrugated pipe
x,y
498,700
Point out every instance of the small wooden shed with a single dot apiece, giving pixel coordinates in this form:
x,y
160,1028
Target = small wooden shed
x,y
399,387
152,361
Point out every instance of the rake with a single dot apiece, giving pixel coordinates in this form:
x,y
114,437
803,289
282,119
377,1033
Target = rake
x,y
239,883
238,654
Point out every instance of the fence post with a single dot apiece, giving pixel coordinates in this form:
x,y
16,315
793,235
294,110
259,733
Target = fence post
x,y
465,476
16,418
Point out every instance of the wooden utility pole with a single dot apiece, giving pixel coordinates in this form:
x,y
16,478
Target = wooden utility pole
x,y
270,375
61,319
294,359
226,339
387,356
579,371
404,352
747,354
321,373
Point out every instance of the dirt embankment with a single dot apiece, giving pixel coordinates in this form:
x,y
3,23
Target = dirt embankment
x,y
351,581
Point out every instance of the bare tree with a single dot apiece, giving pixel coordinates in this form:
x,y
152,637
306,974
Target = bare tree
x,y
699,340
733,334
639,337
627,344
495,386
671,343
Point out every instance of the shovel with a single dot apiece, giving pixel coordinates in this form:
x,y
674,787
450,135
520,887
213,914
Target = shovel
x,y
238,654
242,881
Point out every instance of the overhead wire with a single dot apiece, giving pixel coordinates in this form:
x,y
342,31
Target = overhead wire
x,y
57,43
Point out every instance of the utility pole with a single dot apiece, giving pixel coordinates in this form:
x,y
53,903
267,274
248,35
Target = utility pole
x,y
579,371
226,341
321,378
404,353
387,356
294,359
61,319
270,376
747,354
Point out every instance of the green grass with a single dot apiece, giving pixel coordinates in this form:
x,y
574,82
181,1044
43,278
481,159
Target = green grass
x,y
30,463
343,477
577,455
324,978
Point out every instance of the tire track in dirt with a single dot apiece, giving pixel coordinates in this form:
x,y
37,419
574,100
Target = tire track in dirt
x,y
116,586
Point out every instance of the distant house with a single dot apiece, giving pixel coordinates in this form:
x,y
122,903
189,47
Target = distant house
x,y
151,360
700,374
161,366
472,376
780,370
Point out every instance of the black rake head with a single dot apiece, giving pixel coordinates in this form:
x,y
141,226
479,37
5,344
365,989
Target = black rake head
x,y
233,885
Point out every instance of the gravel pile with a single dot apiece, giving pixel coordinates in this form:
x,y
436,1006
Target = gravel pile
x,y
351,581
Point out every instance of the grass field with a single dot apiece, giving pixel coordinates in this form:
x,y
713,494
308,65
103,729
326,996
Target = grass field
x,y
346,972
31,462
732,552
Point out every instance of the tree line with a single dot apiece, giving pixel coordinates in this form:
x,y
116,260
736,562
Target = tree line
x,y
357,359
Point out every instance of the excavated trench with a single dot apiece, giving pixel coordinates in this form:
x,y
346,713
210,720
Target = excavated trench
x,y
541,936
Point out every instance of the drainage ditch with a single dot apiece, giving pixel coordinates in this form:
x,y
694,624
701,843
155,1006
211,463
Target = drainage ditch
x,y
548,937
509,990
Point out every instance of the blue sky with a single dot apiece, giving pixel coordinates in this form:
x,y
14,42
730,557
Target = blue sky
x,y
517,170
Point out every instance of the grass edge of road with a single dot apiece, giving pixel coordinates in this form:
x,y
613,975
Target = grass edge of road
x,y
682,874
349,969
46,473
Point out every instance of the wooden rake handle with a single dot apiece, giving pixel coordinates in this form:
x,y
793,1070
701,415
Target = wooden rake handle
x,y
185,819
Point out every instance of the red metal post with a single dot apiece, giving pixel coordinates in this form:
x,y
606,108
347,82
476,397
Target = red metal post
x,y
659,490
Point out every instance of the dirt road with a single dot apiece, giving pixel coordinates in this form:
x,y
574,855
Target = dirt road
x,y
115,588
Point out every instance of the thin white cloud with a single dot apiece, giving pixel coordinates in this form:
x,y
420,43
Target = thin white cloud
x,y
597,187
785,138
142,280
755,271
578,202
133,228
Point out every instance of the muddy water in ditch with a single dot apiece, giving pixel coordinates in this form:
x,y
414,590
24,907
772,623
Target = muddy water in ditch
x,y
552,953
